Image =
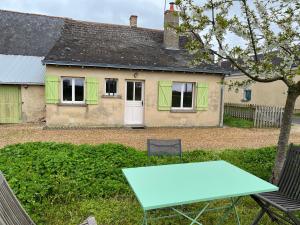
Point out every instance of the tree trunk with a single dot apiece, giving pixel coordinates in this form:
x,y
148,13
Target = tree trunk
x,y
284,133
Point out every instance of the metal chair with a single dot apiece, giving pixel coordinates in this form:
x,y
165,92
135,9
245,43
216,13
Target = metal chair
x,y
12,212
157,147
287,199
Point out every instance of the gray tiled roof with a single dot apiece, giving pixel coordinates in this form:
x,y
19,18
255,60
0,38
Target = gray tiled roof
x,y
116,46
28,34
69,42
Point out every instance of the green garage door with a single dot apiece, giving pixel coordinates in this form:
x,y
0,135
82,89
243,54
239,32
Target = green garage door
x,y
10,104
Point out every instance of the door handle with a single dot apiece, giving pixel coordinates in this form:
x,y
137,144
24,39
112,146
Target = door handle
x,y
142,103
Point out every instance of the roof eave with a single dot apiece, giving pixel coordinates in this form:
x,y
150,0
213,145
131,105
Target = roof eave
x,y
134,67
22,83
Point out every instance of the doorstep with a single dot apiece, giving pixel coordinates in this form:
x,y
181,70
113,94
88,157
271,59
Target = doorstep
x,y
135,126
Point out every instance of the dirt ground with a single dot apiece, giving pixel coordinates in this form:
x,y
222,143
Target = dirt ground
x,y
192,138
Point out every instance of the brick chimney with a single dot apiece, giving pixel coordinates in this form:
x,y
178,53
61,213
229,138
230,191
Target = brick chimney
x,y
171,38
133,21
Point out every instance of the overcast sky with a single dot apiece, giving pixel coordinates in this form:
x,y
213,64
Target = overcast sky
x,y
149,12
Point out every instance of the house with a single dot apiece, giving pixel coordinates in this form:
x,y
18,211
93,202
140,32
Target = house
x,y
105,75
270,94
24,42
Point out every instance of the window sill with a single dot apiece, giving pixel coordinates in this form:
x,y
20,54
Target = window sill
x,y
73,104
244,100
112,96
183,111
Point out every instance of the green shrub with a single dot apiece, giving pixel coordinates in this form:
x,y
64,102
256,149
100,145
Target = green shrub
x,y
258,162
236,122
60,173
47,174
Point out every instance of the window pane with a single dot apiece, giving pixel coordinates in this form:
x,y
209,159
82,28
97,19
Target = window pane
x,y
67,89
129,91
79,89
111,86
176,94
247,94
138,91
188,95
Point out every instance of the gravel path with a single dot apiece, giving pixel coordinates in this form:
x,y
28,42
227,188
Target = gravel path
x,y
192,138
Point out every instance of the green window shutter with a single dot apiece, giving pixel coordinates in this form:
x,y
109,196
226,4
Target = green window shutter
x,y
52,89
92,91
202,96
164,95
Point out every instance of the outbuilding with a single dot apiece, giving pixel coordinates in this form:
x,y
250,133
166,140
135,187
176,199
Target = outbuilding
x,y
24,42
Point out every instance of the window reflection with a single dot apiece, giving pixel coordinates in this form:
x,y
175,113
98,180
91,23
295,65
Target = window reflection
x,y
130,91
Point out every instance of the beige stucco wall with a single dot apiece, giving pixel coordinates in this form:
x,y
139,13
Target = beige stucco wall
x,y
272,94
110,111
33,103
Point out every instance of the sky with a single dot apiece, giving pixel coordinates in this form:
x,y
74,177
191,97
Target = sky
x,y
149,12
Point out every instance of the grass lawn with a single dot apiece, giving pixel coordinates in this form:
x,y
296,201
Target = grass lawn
x,y
236,122
62,184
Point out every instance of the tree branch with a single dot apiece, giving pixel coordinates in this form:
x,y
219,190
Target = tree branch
x,y
255,78
250,31
202,43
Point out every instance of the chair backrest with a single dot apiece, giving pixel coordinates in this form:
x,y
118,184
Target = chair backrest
x,y
289,182
11,211
164,147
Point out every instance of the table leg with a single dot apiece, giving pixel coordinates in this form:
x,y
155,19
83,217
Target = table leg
x,y
199,214
229,209
145,222
235,212
194,220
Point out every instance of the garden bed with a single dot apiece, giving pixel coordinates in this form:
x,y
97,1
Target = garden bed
x,y
62,183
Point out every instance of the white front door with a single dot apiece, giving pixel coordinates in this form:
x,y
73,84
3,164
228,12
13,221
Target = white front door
x,y
134,103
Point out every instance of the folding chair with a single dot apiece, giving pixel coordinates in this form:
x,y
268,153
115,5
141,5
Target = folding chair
x,y
157,147
287,199
12,212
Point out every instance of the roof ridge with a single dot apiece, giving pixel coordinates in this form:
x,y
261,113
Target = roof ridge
x,y
33,14
78,20
112,24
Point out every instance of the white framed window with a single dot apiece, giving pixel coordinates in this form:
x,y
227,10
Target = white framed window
x,y
72,90
111,87
182,95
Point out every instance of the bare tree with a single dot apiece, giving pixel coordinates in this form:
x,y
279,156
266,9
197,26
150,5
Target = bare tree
x,y
260,38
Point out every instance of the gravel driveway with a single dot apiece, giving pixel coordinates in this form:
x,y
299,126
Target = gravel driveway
x,y
192,138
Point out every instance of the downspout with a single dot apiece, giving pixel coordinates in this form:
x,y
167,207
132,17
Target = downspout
x,y
222,103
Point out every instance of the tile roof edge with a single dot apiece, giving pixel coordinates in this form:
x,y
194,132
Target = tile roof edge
x,y
134,67
78,20
112,24
34,14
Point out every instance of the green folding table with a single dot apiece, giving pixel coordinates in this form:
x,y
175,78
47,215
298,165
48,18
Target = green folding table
x,y
168,186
